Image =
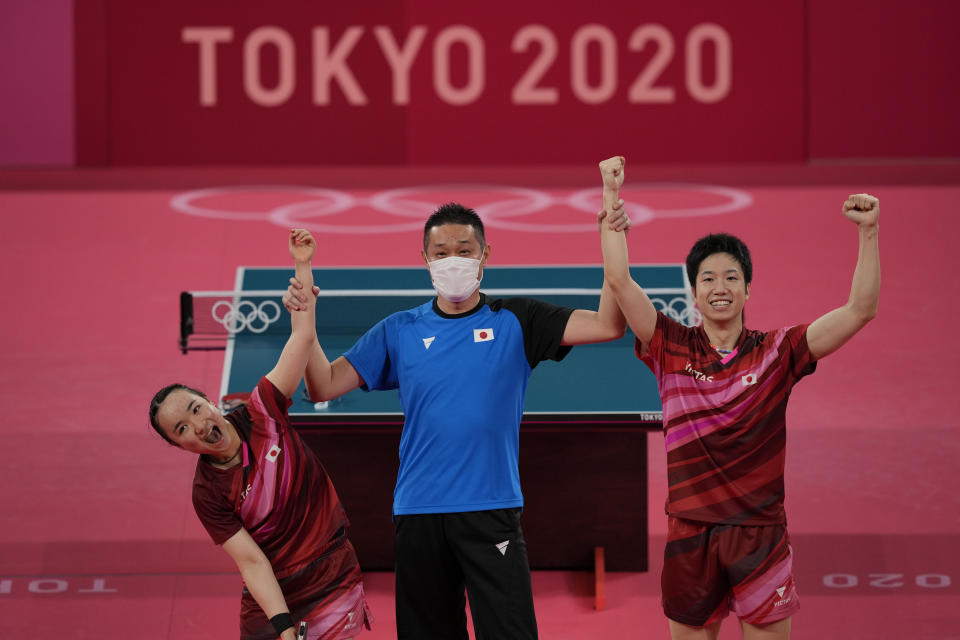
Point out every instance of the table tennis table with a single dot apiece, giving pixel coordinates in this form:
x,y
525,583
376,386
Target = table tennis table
x,y
583,437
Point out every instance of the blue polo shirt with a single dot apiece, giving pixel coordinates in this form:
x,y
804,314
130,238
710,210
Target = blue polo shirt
x,y
461,381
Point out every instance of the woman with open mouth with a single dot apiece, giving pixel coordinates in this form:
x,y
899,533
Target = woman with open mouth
x,y
265,498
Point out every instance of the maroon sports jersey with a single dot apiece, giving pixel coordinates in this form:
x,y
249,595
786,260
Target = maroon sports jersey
x,y
284,498
724,419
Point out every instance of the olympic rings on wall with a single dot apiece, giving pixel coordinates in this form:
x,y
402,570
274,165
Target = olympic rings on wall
x,y
500,206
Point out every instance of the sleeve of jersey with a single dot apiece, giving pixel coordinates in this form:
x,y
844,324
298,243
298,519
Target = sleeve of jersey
x,y
801,360
370,357
220,521
657,346
267,399
543,325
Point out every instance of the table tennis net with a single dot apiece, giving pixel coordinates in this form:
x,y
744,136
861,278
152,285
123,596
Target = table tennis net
x,y
209,319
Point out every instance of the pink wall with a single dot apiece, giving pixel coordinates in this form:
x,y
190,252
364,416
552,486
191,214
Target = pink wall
x,y
194,83
36,83
805,80
884,79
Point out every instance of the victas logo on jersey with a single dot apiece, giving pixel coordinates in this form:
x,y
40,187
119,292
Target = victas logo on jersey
x,y
482,335
428,341
699,375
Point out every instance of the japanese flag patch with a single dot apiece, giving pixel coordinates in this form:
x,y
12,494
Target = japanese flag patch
x,y
273,453
482,335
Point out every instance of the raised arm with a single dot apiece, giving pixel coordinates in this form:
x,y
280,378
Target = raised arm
x,y
607,322
324,380
830,331
602,325
258,576
328,380
288,372
633,301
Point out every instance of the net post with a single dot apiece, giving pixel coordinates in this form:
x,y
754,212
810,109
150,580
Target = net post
x,y
186,320
599,579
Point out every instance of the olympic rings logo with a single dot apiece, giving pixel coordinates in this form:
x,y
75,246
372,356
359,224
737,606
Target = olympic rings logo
x,y
245,315
680,309
500,207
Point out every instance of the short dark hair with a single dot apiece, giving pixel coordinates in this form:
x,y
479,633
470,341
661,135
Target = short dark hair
x,y
454,213
158,399
718,243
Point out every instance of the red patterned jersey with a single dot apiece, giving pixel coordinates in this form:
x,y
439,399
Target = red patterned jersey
x,y
724,419
286,501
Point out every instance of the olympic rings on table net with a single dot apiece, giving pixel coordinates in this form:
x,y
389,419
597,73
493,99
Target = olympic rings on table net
x,y
680,309
499,206
234,320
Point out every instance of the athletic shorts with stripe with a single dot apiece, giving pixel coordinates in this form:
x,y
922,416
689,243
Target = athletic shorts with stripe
x,y
438,554
710,570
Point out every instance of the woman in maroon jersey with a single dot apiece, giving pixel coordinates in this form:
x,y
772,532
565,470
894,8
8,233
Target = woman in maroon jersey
x,y
263,495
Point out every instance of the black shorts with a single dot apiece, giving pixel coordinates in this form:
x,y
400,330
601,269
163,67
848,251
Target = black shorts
x,y
440,554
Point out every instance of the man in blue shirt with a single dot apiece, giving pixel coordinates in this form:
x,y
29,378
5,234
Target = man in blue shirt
x,y
460,363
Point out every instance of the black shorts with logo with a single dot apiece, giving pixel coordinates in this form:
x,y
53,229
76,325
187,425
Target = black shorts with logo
x,y
440,554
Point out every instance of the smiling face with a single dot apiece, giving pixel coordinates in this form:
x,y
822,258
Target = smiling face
x,y
191,422
720,289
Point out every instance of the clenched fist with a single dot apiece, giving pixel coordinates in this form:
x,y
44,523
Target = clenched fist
x,y
302,245
863,209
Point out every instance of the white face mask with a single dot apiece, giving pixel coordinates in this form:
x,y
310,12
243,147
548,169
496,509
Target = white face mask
x,y
455,278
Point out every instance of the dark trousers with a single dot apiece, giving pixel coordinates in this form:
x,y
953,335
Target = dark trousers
x,y
438,555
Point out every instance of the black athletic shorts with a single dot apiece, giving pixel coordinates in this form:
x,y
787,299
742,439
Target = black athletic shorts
x,y
440,554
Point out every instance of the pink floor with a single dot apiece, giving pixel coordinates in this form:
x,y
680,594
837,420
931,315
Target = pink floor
x,y
98,538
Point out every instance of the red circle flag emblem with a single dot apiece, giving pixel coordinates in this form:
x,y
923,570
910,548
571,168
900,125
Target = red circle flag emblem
x,y
483,335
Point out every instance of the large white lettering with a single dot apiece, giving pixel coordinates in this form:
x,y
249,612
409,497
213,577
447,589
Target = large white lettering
x,y
329,65
472,40
45,586
723,60
593,34
644,89
887,580
527,91
286,72
594,64
99,586
48,586
207,39
400,59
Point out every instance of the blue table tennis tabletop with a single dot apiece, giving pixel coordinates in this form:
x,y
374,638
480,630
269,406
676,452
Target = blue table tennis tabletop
x,y
602,383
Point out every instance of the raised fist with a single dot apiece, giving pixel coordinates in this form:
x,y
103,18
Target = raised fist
x,y
611,170
302,245
862,208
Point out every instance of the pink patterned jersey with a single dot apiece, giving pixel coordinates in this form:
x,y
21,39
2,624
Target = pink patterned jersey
x,y
286,501
724,419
